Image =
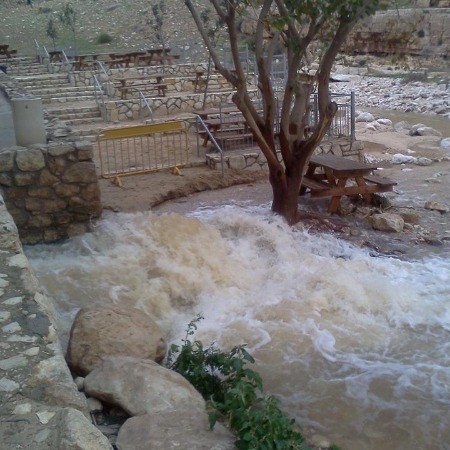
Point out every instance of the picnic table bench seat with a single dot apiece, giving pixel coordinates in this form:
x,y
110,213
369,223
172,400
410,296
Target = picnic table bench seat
x,y
382,182
143,87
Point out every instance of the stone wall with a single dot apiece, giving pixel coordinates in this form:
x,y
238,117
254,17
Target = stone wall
x,y
39,402
50,190
256,160
122,110
419,31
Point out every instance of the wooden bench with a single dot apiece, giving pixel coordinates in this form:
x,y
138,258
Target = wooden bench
x,y
384,184
117,63
160,87
314,185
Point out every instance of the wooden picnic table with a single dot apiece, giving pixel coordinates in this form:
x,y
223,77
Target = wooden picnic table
x,y
5,50
158,51
128,84
207,112
225,130
336,176
55,55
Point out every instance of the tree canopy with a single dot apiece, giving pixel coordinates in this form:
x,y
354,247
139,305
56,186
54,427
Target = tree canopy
x,y
307,30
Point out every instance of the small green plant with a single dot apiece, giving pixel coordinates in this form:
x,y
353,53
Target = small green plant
x,y
103,38
234,394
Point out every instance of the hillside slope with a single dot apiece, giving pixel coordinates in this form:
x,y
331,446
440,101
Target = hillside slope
x,y
128,22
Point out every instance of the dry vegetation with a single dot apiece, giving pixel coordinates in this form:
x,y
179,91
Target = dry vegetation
x,y
128,22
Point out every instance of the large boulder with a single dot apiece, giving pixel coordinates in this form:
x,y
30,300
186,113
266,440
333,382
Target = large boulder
x,y
141,386
173,430
97,333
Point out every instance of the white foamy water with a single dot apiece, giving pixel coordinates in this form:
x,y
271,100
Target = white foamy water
x,y
356,347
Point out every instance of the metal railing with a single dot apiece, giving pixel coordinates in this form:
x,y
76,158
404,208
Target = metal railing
x,y
99,95
66,62
200,125
343,123
143,100
102,68
38,51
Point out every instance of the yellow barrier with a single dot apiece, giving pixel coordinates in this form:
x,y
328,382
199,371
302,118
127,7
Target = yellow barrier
x,y
142,148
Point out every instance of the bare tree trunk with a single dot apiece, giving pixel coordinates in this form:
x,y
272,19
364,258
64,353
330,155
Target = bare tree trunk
x,y
208,74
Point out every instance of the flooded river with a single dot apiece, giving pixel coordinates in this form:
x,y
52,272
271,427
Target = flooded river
x,y
356,347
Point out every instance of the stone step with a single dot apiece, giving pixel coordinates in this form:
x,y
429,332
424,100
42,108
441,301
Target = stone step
x,y
42,78
75,110
24,71
81,115
67,98
61,90
44,84
83,121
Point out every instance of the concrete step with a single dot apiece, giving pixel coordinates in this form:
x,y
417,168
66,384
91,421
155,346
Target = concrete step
x,y
61,90
81,115
73,110
67,98
44,84
42,78
83,121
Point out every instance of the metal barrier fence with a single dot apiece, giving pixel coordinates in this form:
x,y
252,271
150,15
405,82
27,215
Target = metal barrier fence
x,y
142,148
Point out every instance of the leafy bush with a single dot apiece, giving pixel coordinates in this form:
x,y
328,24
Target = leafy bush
x,y
103,38
234,394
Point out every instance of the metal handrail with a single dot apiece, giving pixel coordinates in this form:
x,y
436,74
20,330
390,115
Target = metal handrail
x,y
143,99
102,68
211,137
66,62
38,51
97,85
47,54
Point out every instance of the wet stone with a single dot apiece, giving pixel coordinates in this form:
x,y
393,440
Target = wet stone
x,y
13,301
13,362
12,327
7,385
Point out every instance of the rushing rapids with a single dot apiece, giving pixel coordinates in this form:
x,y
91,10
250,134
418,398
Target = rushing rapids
x,y
356,347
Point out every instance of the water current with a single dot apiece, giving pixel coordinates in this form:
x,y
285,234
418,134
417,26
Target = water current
x,y
356,347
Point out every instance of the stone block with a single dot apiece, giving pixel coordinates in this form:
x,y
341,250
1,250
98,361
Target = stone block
x,y
6,179
66,190
56,165
30,159
6,160
59,149
39,221
47,179
24,179
40,192
81,172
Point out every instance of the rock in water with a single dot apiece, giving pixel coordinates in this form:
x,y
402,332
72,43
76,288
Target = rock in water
x,y
97,333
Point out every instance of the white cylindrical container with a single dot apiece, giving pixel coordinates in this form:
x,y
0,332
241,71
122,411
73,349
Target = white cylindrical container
x,y
28,118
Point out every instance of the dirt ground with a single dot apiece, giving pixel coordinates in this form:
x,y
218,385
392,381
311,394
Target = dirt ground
x,y
429,232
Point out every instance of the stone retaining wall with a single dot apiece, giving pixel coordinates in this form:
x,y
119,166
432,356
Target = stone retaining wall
x,y
50,190
256,160
122,110
85,77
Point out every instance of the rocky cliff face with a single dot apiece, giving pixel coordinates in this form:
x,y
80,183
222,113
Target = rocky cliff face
x,y
419,31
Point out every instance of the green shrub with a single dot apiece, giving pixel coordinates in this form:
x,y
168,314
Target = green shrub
x,y
234,394
103,38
